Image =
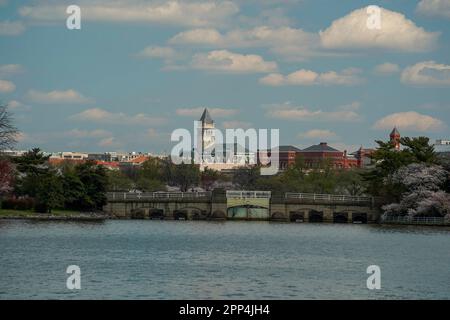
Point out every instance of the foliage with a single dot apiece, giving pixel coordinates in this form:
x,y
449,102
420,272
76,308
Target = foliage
x,y
118,181
150,185
95,182
422,191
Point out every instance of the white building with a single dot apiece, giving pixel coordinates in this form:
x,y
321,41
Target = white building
x,y
214,156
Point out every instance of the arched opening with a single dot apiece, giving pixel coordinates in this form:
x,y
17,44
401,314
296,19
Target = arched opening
x,y
156,214
315,216
278,216
340,217
138,214
180,215
248,212
296,216
359,217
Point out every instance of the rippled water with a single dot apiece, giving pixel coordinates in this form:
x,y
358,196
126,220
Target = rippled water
x,y
221,260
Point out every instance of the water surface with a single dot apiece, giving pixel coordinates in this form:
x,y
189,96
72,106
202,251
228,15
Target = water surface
x,y
221,260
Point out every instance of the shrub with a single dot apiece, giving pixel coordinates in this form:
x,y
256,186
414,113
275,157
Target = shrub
x,y
18,204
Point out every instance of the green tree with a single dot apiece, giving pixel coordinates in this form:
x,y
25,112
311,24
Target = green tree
x,y
32,167
73,188
95,181
186,176
247,178
118,181
150,185
49,193
208,177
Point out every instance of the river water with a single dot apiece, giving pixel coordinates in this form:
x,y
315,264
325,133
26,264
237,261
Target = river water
x,y
221,260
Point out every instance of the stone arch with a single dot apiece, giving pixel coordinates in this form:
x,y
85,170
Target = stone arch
x,y
138,213
157,214
297,216
340,217
359,217
315,216
180,215
278,216
193,213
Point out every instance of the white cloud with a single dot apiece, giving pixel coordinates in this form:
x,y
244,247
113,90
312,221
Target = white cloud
x,y
175,12
8,70
229,62
386,68
434,8
11,28
69,96
287,42
427,73
411,120
299,113
165,53
347,77
215,112
236,124
102,116
109,142
7,86
98,133
318,134
396,33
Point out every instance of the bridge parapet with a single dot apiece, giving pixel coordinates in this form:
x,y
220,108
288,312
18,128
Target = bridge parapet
x,y
143,196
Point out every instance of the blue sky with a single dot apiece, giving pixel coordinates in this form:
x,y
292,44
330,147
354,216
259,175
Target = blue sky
x,y
139,69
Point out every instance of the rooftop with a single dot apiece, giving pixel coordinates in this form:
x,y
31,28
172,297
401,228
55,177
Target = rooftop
x,y
321,147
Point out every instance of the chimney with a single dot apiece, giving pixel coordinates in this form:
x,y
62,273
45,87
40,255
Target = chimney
x,y
323,143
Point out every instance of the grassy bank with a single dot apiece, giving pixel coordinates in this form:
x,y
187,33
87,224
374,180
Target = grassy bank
x,y
55,214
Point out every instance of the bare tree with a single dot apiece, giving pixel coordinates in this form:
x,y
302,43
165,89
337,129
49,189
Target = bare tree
x,y
8,132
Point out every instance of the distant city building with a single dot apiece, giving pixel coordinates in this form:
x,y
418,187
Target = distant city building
x,y
70,156
13,153
214,156
442,148
316,155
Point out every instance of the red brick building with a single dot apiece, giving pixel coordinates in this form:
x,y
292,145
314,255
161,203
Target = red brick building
x,y
317,155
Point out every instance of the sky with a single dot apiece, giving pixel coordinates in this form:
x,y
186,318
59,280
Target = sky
x,y
317,70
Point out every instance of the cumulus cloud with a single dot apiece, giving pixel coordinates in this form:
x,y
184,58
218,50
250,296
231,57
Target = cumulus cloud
x,y
229,62
69,96
347,77
318,134
7,86
215,112
98,115
11,28
110,142
410,120
288,42
396,33
176,12
427,73
236,124
434,8
8,70
98,133
165,53
299,113
386,68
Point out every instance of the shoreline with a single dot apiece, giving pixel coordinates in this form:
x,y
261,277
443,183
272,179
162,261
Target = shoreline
x,y
102,217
